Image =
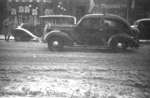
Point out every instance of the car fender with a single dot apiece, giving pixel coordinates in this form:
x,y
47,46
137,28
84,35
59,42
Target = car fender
x,y
120,36
20,35
57,33
26,31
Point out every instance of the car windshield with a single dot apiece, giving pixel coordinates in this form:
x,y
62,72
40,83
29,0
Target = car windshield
x,y
58,20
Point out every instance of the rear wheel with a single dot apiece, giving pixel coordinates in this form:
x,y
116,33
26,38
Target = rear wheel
x,y
55,44
119,44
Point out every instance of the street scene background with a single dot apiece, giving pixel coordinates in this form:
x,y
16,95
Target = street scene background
x,y
30,70
28,11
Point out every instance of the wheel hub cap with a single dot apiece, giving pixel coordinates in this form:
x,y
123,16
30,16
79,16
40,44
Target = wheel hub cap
x,y
119,45
55,43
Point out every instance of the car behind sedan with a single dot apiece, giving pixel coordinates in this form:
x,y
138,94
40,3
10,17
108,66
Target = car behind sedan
x,y
144,27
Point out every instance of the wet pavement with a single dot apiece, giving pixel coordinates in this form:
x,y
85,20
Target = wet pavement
x,y
30,70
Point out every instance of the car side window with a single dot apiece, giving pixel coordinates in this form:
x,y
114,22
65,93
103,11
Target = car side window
x,y
110,23
85,23
96,23
115,24
90,23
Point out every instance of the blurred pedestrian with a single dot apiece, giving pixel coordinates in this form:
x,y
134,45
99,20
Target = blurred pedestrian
x,y
7,28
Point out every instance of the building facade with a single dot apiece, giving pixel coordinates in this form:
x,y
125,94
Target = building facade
x,y
3,12
119,7
28,11
139,9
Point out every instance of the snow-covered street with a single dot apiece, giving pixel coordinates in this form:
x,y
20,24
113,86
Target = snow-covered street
x,y
29,69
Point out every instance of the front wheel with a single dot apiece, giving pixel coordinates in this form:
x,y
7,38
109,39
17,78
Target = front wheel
x,y
118,45
55,44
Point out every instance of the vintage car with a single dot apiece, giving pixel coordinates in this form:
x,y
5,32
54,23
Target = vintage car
x,y
144,28
27,32
109,30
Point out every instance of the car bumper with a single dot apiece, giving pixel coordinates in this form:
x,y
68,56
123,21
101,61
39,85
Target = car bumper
x,y
135,43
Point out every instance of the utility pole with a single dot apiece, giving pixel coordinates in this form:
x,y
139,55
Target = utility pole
x,y
3,11
91,5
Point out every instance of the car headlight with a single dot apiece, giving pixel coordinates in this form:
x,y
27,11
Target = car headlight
x,y
135,31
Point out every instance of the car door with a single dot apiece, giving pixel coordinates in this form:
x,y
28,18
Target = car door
x,y
88,30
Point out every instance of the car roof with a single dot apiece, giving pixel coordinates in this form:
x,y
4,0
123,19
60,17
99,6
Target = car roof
x,y
59,16
48,16
143,19
102,15
106,16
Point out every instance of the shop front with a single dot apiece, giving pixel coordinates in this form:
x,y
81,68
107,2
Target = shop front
x,y
140,9
28,11
118,7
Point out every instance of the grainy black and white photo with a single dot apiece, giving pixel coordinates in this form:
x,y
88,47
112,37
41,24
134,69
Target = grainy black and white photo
x,y
74,48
